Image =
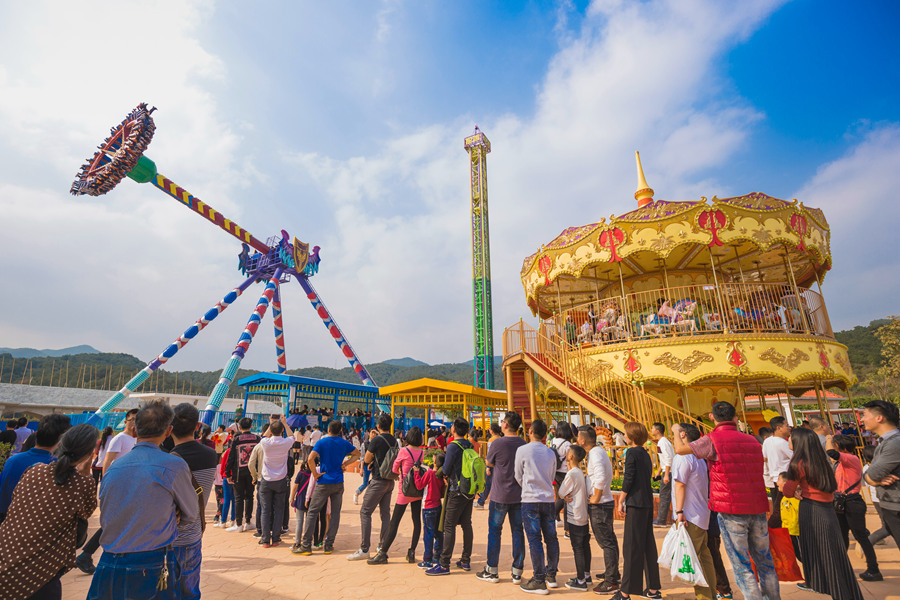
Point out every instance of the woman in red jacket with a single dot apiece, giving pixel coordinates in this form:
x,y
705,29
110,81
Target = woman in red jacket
x,y
825,564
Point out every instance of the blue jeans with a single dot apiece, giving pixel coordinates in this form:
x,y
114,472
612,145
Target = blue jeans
x,y
189,558
434,539
497,512
746,536
539,519
228,502
134,575
483,496
365,482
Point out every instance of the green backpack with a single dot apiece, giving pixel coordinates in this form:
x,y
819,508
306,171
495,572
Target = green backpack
x,y
472,475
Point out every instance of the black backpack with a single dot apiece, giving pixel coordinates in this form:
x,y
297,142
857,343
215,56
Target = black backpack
x,y
408,485
386,467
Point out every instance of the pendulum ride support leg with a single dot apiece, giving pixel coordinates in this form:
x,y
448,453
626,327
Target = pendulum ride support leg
x,y
335,331
170,351
231,367
279,331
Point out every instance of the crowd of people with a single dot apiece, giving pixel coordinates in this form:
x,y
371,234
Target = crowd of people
x,y
157,475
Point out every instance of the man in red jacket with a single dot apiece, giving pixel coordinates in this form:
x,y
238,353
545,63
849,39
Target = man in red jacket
x,y
737,492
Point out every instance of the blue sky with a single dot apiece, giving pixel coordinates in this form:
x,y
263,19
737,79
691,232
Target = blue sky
x,y
343,122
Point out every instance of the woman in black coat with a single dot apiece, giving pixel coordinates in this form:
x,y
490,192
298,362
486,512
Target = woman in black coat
x,y
636,501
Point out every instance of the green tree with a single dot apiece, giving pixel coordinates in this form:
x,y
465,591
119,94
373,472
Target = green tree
x,y
889,335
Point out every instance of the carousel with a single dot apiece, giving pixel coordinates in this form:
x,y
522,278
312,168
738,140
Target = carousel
x,y
692,302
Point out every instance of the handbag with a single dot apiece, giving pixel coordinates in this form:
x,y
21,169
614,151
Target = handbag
x,y
81,527
840,498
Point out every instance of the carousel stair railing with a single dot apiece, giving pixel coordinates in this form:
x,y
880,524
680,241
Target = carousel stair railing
x,y
607,395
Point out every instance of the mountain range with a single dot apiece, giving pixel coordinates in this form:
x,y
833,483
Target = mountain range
x,y
33,353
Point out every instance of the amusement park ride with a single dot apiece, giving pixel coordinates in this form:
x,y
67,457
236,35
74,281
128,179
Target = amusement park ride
x,y
274,262
657,313
478,147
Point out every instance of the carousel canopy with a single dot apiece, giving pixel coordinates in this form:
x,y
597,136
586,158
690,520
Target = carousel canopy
x,y
751,238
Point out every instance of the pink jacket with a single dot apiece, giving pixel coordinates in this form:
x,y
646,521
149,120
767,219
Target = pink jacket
x,y
402,464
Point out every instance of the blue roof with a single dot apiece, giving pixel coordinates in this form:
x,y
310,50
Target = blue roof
x,y
283,378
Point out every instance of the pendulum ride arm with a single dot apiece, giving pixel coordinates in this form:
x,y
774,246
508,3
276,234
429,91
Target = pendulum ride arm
x,y
335,331
170,351
231,367
280,358
206,211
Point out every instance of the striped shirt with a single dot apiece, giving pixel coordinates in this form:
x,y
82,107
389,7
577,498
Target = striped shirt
x,y
202,461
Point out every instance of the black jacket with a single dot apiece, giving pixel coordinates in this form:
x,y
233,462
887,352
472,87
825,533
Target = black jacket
x,y
241,446
636,478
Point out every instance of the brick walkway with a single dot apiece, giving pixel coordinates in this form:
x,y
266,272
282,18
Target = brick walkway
x,y
234,566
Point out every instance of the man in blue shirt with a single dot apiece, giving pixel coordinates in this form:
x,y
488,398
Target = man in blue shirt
x,y
50,429
333,453
138,497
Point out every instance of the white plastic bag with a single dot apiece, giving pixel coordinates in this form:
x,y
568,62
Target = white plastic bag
x,y
685,564
670,544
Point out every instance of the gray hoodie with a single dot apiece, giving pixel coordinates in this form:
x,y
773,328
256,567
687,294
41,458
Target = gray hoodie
x,y
535,470
886,462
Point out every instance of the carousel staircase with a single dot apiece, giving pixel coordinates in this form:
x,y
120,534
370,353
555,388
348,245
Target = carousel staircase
x,y
517,386
583,380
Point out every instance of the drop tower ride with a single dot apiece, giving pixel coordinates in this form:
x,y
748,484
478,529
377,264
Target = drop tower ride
x,y
478,147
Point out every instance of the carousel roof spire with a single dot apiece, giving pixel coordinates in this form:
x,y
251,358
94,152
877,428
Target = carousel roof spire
x,y
644,193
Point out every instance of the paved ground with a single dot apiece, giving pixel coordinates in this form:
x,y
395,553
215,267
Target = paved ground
x,y
234,566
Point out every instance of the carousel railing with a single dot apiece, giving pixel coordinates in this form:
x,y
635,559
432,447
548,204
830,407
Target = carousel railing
x,y
589,377
695,310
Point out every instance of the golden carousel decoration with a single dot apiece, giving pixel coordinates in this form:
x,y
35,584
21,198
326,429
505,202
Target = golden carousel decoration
x,y
693,302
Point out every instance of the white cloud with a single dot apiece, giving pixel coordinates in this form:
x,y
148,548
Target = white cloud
x,y
854,192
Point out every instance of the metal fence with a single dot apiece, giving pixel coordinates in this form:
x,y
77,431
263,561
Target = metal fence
x,y
695,310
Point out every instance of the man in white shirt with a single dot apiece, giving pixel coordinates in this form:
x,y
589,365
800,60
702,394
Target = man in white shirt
x,y
692,505
666,454
122,444
273,482
777,455
601,507
315,435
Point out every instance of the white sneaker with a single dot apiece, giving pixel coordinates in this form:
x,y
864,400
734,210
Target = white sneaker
x,y
355,498
359,555
247,527
234,528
